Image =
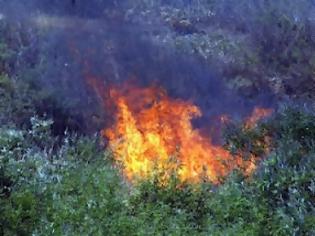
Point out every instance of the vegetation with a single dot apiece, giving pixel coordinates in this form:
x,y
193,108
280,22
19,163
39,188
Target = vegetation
x,y
58,180
50,188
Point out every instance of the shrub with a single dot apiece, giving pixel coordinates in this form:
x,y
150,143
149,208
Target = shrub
x,y
284,180
39,174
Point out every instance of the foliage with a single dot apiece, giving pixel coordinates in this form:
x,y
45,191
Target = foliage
x,y
71,188
285,179
53,182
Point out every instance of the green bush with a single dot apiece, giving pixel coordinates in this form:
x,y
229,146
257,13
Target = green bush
x,y
284,180
35,168
70,187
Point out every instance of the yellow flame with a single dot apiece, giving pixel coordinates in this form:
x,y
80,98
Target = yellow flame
x,y
151,128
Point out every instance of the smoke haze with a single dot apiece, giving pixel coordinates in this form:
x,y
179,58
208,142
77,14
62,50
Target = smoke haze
x,y
96,39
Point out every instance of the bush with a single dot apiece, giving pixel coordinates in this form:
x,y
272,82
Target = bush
x,y
56,182
36,168
70,187
285,179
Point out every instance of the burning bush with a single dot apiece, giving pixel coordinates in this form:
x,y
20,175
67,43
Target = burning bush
x,y
154,132
181,179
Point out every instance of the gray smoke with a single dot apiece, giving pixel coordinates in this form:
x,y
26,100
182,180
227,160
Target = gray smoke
x,y
94,38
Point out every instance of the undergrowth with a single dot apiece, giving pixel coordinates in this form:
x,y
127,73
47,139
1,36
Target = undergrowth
x,y
71,187
57,182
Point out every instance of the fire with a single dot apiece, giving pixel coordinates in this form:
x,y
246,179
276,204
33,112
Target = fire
x,y
153,133
258,114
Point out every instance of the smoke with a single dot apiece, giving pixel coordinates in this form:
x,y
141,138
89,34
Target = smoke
x,y
80,39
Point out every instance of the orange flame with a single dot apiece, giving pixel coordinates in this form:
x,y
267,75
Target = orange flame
x,y
258,114
153,132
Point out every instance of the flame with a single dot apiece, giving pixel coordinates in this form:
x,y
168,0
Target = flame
x,y
258,114
153,132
